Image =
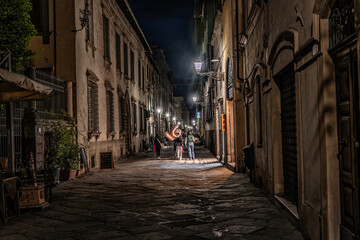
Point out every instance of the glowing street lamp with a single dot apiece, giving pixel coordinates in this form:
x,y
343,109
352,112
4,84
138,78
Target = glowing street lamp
x,y
167,114
174,118
158,110
198,65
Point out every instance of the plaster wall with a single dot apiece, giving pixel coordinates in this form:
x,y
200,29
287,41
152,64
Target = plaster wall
x,y
90,56
264,47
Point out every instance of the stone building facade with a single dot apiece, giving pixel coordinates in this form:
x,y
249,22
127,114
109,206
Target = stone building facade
x,y
112,79
181,113
164,91
294,67
302,96
221,92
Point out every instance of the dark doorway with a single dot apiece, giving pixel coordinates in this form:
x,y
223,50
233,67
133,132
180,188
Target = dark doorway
x,y
286,82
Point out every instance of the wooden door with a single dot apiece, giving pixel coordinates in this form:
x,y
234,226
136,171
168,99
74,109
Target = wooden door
x,y
348,134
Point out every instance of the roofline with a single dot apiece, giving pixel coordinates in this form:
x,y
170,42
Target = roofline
x,y
134,23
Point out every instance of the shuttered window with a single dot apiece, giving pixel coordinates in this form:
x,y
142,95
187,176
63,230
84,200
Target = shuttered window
x,y
126,61
106,36
141,119
122,114
93,107
118,52
132,62
134,117
110,111
139,74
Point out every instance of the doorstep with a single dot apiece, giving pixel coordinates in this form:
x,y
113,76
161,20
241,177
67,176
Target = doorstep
x,y
288,208
231,166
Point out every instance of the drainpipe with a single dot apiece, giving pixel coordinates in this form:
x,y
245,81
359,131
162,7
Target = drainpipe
x,y
54,22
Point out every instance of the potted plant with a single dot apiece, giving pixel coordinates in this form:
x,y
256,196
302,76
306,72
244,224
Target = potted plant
x,y
63,150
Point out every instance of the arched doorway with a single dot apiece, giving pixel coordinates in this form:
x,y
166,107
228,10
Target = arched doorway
x,y
286,83
286,158
343,49
127,125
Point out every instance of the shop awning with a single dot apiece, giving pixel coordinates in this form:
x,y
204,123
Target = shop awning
x,y
16,87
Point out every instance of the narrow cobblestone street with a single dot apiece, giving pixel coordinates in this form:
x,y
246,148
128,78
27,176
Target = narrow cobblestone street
x,y
147,198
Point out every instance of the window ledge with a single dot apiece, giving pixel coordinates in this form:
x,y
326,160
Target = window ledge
x,y
111,134
94,134
90,44
107,62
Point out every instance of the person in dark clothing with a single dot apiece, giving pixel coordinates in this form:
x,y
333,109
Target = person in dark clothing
x,y
158,143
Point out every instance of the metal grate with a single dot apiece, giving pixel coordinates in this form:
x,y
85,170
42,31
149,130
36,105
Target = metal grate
x,y
93,106
56,102
3,136
134,118
122,114
341,21
110,111
18,115
18,130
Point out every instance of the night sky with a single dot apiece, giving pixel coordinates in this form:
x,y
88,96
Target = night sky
x,y
170,25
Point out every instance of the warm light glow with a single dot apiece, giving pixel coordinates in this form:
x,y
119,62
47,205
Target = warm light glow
x,y
178,123
174,118
158,110
167,115
198,65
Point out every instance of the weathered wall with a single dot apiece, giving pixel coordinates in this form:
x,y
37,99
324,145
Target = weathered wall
x,y
273,43
91,58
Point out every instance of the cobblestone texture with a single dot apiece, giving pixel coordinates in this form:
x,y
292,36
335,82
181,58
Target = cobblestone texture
x,y
147,198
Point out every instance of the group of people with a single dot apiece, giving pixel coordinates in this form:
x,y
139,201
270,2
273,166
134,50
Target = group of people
x,y
179,145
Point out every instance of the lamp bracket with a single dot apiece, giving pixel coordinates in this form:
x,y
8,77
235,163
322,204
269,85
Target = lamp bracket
x,y
217,76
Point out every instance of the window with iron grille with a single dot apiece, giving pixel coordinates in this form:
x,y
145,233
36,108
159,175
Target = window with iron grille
x,y
209,105
126,61
134,117
106,36
110,111
132,62
139,76
93,107
122,114
118,53
144,116
141,119
143,78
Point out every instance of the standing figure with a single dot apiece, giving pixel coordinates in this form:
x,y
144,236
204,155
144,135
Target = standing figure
x,y
158,145
179,148
189,141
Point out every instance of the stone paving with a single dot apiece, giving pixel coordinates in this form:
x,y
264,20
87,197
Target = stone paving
x,y
147,198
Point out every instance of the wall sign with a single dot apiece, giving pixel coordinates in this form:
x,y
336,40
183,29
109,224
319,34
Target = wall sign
x,y
229,80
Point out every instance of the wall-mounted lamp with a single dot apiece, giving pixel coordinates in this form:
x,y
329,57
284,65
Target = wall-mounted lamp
x,y
85,17
217,76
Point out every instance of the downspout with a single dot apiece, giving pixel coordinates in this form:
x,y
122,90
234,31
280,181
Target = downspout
x,y
54,22
237,40
233,141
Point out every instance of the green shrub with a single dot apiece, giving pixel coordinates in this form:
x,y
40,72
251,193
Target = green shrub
x,y
63,150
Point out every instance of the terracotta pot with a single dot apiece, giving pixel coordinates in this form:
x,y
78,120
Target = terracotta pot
x,y
66,174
